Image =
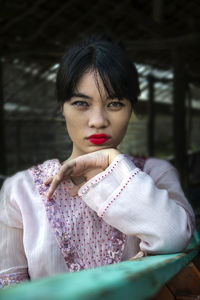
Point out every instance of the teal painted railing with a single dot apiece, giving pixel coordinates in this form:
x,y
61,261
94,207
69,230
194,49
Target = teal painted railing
x,y
138,279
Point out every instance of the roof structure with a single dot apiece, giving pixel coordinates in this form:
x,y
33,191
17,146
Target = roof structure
x,y
34,35
39,31
161,37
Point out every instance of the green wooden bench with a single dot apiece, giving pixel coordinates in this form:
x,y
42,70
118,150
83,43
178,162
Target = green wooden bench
x,y
137,279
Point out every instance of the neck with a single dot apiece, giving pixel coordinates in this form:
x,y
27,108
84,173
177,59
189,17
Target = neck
x,y
75,153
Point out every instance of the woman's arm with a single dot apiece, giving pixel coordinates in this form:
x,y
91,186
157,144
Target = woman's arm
x,y
13,264
150,205
82,168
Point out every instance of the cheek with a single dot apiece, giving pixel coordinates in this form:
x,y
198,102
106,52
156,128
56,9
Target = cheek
x,y
74,126
122,123
120,129
71,128
69,124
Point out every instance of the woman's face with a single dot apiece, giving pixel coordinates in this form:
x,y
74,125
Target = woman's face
x,y
93,121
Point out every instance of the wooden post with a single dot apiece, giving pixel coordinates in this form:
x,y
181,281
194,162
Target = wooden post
x,y
2,127
179,126
151,117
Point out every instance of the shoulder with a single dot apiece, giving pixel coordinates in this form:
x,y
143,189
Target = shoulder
x,y
160,168
13,190
15,180
24,179
46,169
155,167
148,163
161,165
19,193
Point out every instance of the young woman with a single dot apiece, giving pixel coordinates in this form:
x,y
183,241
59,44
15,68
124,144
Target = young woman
x,y
100,206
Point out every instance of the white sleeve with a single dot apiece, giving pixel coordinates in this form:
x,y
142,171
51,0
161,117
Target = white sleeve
x,y
13,263
150,205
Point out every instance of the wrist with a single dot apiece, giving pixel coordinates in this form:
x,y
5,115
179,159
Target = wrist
x,y
113,154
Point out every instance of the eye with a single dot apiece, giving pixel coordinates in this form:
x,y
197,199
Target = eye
x,y
80,103
116,104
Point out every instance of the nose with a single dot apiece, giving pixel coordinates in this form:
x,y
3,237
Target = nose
x,y
98,119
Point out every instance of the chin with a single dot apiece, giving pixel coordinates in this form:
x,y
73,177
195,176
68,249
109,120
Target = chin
x,y
101,147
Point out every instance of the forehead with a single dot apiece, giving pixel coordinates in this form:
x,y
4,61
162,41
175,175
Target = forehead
x,y
91,83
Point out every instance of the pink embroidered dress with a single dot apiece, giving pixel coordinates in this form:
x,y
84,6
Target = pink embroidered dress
x,y
135,204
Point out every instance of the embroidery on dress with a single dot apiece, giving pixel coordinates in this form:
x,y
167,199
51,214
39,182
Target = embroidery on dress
x,y
13,278
85,240
53,211
138,161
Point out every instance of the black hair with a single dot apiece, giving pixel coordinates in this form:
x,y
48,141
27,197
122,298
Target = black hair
x,y
106,58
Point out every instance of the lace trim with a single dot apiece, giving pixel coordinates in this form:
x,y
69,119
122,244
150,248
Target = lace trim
x,y
13,278
54,214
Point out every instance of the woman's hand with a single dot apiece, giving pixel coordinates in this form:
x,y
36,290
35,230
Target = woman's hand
x,y
81,169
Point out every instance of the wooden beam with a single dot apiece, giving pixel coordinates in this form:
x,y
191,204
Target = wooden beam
x,y
147,23
20,17
165,44
2,127
48,21
142,45
179,112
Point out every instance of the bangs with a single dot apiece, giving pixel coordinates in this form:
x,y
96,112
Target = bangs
x,y
117,76
108,62
111,79
111,89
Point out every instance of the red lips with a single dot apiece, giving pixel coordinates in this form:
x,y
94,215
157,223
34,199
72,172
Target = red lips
x,y
98,139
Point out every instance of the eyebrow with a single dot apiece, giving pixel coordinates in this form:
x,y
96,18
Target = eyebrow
x,y
114,97
81,95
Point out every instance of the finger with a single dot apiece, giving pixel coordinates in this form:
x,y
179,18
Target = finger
x,y
55,182
138,255
66,170
63,173
74,191
48,180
